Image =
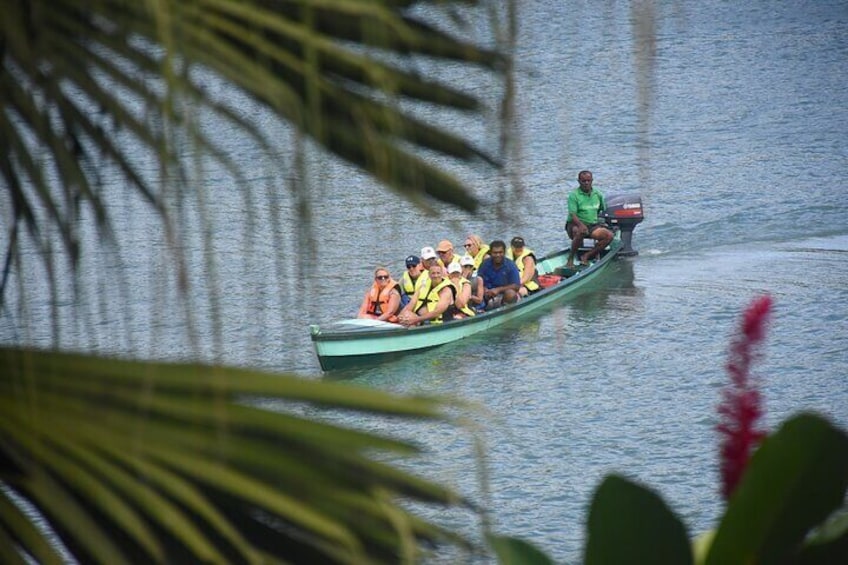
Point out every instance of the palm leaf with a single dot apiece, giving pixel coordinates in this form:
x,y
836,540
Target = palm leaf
x,y
126,459
77,77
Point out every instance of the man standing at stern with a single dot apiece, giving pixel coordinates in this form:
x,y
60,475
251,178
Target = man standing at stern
x,y
584,203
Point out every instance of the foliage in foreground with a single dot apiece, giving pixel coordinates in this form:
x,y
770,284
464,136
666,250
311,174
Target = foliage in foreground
x,y
88,89
155,462
144,462
152,462
783,503
785,510
130,461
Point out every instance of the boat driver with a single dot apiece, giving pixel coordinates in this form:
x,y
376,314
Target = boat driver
x,y
584,203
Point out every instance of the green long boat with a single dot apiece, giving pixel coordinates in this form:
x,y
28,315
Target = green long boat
x,y
354,342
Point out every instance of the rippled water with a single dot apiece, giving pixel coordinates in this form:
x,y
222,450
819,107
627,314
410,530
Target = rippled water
x,y
742,161
743,166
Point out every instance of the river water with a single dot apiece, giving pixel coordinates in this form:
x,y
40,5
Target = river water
x,y
740,153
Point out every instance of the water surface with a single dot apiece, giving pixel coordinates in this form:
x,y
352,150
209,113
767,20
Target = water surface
x,y
741,157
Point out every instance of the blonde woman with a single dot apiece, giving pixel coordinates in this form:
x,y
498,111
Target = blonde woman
x,y
475,247
382,300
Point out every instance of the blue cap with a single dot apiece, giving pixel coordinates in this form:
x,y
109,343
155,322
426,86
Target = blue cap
x,y
412,260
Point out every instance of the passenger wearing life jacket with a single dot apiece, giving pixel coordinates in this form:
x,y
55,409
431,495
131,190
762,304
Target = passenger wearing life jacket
x,y
410,277
428,259
476,300
433,306
422,283
525,260
461,307
475,247
382,300
446,254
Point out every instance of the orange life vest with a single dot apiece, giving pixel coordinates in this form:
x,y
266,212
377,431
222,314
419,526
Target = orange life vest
x,y
378,300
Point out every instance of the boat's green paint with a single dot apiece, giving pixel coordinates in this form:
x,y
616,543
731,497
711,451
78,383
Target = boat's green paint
x,y
349,343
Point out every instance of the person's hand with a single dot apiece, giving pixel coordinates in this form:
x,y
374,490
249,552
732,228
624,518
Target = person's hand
x,y
409,320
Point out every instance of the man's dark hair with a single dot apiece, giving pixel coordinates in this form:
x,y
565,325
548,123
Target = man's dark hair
x,y
498,243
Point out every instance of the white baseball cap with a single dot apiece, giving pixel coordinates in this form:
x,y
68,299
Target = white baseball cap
x,y
428,253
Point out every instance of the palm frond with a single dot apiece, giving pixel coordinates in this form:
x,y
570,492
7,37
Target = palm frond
x,y
75,78
126,459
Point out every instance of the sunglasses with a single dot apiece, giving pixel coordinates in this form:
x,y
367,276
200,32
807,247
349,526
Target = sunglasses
x,y
381,278
467,245
442,252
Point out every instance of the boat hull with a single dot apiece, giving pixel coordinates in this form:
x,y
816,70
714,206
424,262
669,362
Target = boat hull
x,y
349,343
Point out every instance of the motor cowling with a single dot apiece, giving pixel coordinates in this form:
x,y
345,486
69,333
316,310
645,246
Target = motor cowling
x,y
625,212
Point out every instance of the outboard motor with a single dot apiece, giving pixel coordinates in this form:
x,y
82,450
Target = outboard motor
x,y
625,211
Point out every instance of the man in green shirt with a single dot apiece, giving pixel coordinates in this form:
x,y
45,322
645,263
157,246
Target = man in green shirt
x,y
584,203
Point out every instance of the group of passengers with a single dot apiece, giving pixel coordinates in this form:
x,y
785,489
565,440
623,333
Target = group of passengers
x,y
440,285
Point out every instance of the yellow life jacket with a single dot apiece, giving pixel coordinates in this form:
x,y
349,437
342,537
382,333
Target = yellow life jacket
x,y
467,310
432,299
378,300
422,287
533,284
454,259
407,284
478,259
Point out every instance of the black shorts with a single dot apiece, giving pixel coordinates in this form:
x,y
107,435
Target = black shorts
x,y
591,227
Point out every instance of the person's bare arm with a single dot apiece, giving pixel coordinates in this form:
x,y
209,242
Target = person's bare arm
x,y
392,306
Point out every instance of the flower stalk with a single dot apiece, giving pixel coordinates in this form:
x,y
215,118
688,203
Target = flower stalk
x,y
741,407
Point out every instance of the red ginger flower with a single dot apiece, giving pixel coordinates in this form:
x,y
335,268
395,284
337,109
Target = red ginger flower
x,y
741,405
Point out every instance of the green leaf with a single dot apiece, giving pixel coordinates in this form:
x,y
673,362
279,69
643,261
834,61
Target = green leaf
x,y
796,479
514,551
829,544
631,524
173,459
25,534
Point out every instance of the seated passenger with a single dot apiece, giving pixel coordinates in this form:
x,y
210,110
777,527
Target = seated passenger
x,y
382,300
525,260
475,247
476,300
462,307
430,306
410,278
428,258
422,283
446,254
500,277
